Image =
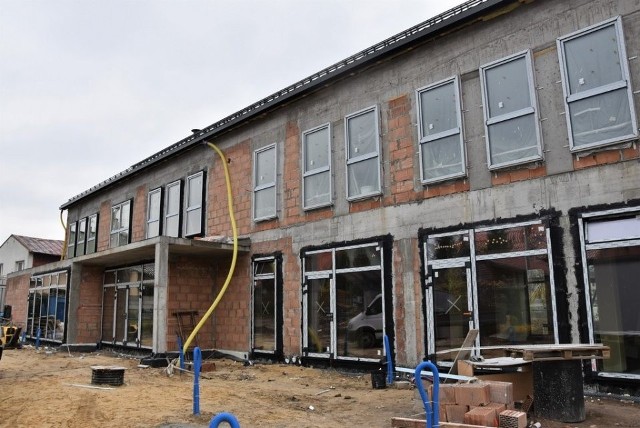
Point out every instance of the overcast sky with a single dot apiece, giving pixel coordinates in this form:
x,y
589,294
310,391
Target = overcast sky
x,y
88,88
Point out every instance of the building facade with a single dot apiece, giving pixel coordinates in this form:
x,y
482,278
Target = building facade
x,y
479,170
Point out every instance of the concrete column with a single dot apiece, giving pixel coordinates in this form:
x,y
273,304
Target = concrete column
x,y
73,300
160,294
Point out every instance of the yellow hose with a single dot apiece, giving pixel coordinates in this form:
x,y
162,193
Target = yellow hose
x,y
66,238
235,252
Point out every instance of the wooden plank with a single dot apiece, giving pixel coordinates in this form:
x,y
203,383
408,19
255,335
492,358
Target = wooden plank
x,y
559,352
421,423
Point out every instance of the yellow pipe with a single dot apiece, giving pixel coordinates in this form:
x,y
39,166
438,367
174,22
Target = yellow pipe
x,y
66,238
235,252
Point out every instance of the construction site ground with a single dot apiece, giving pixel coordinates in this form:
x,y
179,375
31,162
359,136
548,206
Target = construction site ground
x,y
52,388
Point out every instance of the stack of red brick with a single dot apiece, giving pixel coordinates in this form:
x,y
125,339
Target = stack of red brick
x,y
480,403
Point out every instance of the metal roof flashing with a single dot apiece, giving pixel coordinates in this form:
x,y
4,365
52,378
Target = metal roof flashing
x,y
390,46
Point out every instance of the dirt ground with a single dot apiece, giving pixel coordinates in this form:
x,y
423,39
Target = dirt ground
x,y
50,388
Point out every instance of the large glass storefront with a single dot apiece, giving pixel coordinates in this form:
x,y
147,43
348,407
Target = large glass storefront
x,y
498,280
47,306
344,302
611,262
127,306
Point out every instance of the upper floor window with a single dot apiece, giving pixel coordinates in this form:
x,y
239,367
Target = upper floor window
x,y
19,265
195,197
363,153
595,80
439,124
71,243
172,209
1,269
264,183
120,224
316,167
154,205
82,235
511,118
92,233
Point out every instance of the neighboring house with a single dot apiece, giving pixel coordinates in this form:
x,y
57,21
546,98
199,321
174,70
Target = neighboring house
x,y
22,252
479,170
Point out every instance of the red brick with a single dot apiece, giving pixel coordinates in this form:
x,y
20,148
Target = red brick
x,y
584,162
512,419
500,392
608,157
456,412
483,416
472,394
500,177
630,153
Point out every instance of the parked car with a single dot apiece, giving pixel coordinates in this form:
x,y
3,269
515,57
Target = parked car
x,y
366,327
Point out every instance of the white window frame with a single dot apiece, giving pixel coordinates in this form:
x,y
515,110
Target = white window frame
x,y
81,243
126,228
497,119
316,171
19,265
90,246
426,139
266,186
354,160
170,215
71,243
155,217
195,208
625,82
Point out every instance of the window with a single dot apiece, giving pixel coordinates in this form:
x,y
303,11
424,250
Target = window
x,y
80,238
120,224
195,197
511,118
47,306
71,244
363,154
264,183
595,80
610,247
439,124
1,269
266,306
172,209
316,167
19,265
154,204
92,232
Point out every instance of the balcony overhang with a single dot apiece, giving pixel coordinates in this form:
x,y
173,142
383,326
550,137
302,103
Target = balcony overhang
x,y
136,252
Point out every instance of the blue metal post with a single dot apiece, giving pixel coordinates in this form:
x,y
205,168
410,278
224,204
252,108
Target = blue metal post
x,y
38,333
433,417
197,362
181,353
389,362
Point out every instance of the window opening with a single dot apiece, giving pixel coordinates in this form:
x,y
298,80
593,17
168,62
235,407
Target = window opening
x,y
71,244
120,224
264,183
316,162
154,205
595,80
81,237
195,197
92,232
363,153
172,210
47,303
510,112
439,125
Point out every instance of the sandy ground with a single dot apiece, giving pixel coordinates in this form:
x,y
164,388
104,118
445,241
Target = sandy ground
x,y
46,388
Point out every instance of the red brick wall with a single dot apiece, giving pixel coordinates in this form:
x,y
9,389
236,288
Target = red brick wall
x,y
17,292
606,157
89,311
104,225
291,176
522,173
139,219
239,164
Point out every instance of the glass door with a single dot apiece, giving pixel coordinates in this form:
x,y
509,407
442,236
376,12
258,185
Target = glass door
x,y
450,300
319,318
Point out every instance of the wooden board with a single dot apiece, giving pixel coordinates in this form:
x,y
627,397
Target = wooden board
x,y
421,423
559,352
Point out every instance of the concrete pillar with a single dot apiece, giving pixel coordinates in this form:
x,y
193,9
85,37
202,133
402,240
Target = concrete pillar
x,y
73,300
160,294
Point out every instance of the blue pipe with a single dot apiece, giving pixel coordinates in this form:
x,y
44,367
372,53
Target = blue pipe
x,y
389,362
181,353
224,417
197,362
433,417
38,333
